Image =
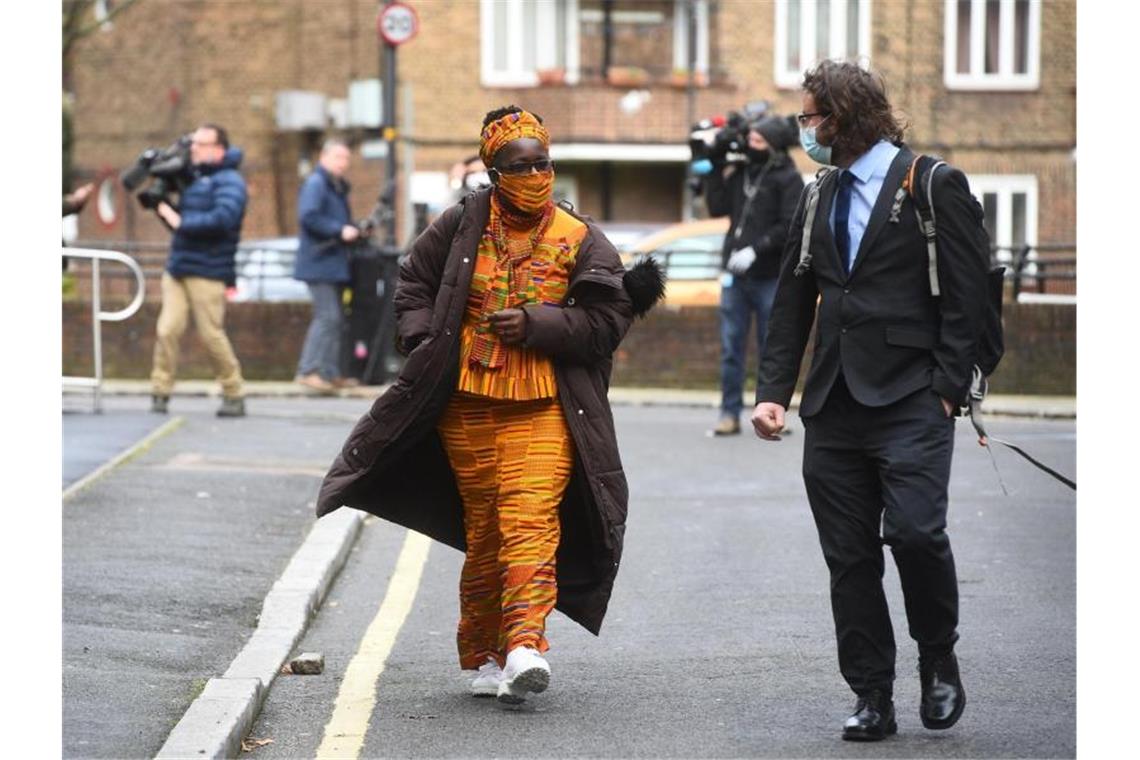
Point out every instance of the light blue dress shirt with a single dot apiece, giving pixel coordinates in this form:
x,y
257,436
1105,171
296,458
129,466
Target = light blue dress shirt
x,y
870,171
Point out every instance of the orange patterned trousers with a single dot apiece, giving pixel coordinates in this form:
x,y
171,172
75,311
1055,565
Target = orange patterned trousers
x,y
512,461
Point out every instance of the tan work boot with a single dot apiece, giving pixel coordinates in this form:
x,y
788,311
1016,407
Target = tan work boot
x,y
315,382
727,426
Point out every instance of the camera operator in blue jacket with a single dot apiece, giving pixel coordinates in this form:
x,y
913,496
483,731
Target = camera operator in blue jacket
x,y
207,226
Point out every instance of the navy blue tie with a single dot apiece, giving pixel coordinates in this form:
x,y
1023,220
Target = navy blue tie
x,y
842,211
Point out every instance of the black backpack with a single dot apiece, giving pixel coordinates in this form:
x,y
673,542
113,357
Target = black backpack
x,y
991,341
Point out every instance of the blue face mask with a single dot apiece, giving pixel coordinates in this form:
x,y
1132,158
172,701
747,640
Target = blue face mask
x,y
819,153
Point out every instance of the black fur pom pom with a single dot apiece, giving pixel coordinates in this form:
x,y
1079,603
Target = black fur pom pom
x,y
645,284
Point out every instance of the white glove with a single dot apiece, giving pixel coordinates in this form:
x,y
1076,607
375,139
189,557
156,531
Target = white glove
x,y
740,261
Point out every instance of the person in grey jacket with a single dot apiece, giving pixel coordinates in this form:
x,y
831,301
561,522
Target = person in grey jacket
x,y
323,263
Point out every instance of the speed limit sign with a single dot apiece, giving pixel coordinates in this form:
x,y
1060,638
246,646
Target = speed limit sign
x,y
397,23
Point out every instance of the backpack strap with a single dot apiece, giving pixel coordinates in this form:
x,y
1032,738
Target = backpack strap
x,y
920,185
811,203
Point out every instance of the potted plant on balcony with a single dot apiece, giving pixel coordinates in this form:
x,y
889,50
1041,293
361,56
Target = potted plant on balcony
x,y
627,76
551,76
679,78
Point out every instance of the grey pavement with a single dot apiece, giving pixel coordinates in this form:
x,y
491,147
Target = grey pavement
x,y
718,641
1063,407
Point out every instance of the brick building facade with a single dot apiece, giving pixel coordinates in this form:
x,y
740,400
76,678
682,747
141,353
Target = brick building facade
x,y
991,86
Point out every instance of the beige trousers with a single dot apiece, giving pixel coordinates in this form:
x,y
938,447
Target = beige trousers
x,y
206,300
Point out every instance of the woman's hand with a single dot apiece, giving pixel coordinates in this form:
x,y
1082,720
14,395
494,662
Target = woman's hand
x,y
509,325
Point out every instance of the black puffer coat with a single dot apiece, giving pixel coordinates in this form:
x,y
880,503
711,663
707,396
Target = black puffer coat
x,y
393,464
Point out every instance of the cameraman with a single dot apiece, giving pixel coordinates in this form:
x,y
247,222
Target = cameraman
x,y
323,263
759,197
206,228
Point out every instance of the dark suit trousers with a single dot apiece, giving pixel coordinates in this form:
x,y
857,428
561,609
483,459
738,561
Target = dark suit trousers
x,y
866,466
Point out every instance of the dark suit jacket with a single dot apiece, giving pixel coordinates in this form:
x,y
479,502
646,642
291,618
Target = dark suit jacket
x,y
881,326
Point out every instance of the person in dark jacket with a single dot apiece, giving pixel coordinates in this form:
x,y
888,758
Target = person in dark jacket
x,y
759,199
323,263
497,437
207,226
894,355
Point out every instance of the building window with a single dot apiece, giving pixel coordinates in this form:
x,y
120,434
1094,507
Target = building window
x,y
1010,204
681,35
810,31
520,38
993,44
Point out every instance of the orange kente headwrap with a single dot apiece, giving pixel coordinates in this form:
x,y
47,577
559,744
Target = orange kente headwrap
x,y
510,127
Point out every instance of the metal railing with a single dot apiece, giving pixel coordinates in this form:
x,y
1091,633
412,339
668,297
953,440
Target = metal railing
x,y
264,268
1045,273
98,316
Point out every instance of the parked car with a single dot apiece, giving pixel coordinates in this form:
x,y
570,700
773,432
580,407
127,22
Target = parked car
x,y
624,235
265,271
690,253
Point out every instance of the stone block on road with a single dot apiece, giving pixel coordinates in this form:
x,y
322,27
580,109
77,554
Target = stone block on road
x,y
307,664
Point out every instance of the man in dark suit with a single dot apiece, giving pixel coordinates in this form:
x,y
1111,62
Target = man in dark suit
x,y
891,363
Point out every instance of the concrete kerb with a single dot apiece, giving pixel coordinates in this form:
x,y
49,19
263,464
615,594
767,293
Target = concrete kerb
x,y
1002,405
223,714
214,725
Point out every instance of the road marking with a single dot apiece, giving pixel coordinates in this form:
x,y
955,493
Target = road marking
x,y
191,461
133,451
344,733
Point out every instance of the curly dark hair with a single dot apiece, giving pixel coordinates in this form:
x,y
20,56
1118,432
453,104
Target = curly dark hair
x,y
499,113
856,98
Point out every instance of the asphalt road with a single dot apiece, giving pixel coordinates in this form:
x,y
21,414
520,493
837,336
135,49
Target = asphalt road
x,y
168,557
94,439
719,638
718,642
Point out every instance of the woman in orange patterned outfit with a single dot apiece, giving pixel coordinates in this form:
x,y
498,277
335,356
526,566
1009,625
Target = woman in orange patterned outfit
x,y
511,307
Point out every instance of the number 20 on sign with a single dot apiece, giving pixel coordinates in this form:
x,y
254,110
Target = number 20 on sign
x,y
397,23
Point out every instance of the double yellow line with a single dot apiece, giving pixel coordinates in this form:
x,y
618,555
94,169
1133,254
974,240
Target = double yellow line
x,y
344,733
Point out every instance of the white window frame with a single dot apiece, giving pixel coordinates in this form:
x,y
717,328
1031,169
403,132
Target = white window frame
x,y
1004,78
1004,186
515,75
681,37
792,78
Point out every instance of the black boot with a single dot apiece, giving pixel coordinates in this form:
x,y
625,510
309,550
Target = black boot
x,y
943,697
232,407
873,720
159,404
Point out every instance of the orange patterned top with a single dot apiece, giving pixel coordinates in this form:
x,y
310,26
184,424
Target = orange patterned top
x,y
526,375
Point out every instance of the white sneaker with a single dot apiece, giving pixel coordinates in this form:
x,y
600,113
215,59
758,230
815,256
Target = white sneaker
x,y
526,671
486,684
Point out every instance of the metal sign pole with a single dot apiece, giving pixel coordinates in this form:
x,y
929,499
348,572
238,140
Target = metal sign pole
x,y
388,62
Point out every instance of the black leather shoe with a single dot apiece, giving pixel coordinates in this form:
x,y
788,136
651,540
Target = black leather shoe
x,y
943,698
874,719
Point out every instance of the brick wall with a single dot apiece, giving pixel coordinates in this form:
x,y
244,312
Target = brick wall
x,y
677,348
167,66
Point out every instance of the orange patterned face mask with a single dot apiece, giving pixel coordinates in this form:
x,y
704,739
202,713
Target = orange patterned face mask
x,y
529,193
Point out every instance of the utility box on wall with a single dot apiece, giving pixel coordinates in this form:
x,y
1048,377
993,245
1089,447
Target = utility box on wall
x,y
301,109
365,98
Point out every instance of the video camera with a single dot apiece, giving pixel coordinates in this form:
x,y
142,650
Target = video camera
x,y
724,139
169,168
